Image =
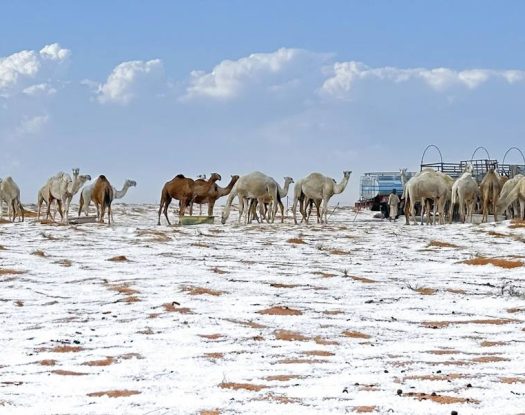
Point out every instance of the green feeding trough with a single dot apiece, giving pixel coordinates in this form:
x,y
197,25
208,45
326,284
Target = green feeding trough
x,y
196,220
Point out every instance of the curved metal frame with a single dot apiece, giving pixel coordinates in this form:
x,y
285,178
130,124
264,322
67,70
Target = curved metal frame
x,y
480,148
513,148
425,152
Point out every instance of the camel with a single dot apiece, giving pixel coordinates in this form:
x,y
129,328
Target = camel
x,y
85,195
318,188
102,196
465,192
516,194
255,185
427,184
282,192
217,192
10,193
62,189
505,191
180,188
490,189
202,189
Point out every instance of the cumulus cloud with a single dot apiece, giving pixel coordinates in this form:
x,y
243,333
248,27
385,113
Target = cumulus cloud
x,y
32,125
128,79
343,75
20,69
229,78
39,89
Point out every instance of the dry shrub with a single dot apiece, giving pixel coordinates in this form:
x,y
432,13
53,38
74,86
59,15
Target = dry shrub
x,y
38,252
242,386
19,303
123,393
2,248
281,311
497,262
68,373
289,335
487,343
118,258
202,291
296,241
219,271
200,245
355,334
64,262
440,244
456,291
9,271
102,362
426,291
277,285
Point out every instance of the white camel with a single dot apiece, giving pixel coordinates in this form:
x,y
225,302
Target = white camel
x,y
318,188
10,193
428,184
465,193
517,194
255,185
509,185
62,189
85,195
267,202
490,189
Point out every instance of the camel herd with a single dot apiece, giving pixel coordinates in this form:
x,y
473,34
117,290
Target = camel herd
x,y
497,194
260,196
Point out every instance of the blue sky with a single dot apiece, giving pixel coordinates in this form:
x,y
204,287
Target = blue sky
x,y
147,90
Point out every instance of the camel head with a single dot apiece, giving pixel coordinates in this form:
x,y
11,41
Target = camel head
x,y
215,177
76,171
403,172
288,180
347,174
234,177
469,168
130,183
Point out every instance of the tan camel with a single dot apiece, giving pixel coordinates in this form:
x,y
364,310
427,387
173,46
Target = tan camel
x,y
254,185
85,195
263,208
465,193
490,189
512,193
428,184
202,190
10,194
217,192
180,188
318,188
102,196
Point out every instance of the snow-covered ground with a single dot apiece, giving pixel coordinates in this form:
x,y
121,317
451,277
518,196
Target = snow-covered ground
x,y
360,315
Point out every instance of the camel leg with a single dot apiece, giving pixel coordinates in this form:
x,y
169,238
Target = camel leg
x,y
109,214
102,212
281,206
59,203
211,205
241,208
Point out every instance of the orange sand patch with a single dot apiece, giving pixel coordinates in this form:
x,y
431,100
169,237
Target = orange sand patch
x,y
442,324
440,352
123,393
336,251
202,291
456,291
214,355
280,311
364,409
487,343
279,398
296,241
490,359
8,271
122,289
68,373
516,223
319,353
510,381
326,342
209,412
442,399
282,378
118,258
355,334
247,323
426,291
437,377
171,308
289,335
276,285
324,274
65,349
102,362
214,336
363,279
242,386
440,244
47,362
497,262
200,245
515,310
301,361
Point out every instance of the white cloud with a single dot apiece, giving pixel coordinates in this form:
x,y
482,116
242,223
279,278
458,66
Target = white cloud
x,y
39,89
128,78
229,78
19,68
32,125
345,74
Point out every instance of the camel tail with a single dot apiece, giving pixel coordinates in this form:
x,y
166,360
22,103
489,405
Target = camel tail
x,y
107,196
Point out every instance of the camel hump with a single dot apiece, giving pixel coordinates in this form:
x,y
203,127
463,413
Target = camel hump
x,y
102,177
180,176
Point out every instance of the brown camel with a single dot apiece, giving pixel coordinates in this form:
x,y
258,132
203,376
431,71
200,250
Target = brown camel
x,y
217,192
180,188
102,196
202,189
490,189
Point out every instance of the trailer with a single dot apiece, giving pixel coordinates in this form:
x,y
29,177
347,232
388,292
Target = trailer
x,y
374,188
